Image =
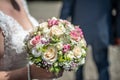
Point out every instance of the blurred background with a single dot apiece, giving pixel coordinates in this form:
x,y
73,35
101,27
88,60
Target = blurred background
x,y
44,9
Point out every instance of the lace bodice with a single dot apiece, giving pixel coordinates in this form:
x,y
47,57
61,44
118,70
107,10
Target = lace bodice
x,y
14,51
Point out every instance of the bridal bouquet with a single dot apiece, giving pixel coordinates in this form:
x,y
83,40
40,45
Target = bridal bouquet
x,y
56,44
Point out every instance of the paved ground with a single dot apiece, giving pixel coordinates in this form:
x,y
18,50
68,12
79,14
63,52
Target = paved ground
x,y
43,10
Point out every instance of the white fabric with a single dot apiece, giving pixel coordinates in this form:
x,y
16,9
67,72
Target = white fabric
x,y
14,56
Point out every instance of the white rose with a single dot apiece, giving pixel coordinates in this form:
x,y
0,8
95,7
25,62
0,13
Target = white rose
x,y
56,30
83,51
82,61
46,30
59,45
77,51
66,66
50,55
70,55
83,42
71,27
35,52
43,25
61,26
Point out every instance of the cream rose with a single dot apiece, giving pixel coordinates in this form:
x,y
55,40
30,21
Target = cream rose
x,y
50,55
77,51
56,30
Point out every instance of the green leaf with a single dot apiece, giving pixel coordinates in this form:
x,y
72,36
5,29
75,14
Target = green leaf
x,y
83,55
55,64
57,70
51,69
55,39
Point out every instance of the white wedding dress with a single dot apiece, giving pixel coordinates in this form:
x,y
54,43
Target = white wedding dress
x,y
14,56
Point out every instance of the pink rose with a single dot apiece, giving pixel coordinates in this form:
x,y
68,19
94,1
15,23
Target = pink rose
x,y
76,34
52,22
79,31
35,40
66,47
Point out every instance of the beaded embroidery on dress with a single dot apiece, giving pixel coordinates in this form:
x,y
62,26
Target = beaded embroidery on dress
x,y
14,52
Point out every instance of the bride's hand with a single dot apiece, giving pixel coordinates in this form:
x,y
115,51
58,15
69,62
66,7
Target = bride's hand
x,y
40,73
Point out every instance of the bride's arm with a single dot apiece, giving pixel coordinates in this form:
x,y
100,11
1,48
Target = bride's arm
x,y
21,74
